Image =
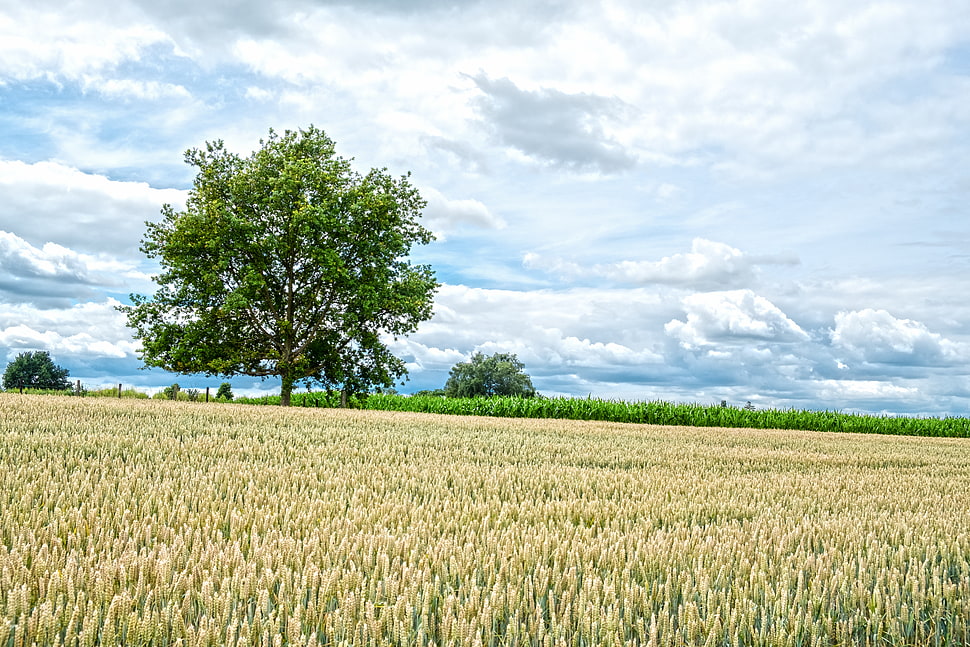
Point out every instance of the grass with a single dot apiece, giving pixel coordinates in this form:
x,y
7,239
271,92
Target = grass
x,y
147,522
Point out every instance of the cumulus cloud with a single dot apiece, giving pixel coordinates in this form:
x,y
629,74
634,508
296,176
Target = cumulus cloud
x,y
45,43
51,202
84,331
732,317
56,262
444,216
54,275
708,265
548,330
878,337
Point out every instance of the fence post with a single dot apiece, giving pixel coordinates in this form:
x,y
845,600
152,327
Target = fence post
x,y
119,390
206,394
77,388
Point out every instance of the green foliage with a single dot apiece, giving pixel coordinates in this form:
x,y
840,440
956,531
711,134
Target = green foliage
x,y
654,413
47,392
285,263
224,392
313,399
112,392
35,370
486,376
666,413
437,393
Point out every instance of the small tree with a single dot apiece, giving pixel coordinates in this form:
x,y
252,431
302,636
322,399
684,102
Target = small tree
x,y
35,370
224,392
498,374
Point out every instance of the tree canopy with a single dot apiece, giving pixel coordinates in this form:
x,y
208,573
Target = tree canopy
x,y
35,370
285,263
498,374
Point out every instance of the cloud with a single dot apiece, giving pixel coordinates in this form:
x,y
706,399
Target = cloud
x,y
55,275
135,89
565,130
732,317
708,265
548,330
56,262
51,202
444,216
869,396
56,45
579,141
82,332
877,337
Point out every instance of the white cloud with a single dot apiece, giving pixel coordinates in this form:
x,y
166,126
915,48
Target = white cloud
x,y
84,331
134,89
877,336
545,328
585,141
51,202
444,216
56,262
732,317
842,391
57,45
709,264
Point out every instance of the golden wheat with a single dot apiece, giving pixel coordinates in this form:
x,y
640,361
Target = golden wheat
x,y
164,523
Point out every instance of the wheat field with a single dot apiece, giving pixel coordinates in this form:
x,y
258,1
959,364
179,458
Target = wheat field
x,y
168,523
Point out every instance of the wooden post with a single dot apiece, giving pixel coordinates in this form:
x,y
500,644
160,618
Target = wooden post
x,y
77,388
206,394
119,390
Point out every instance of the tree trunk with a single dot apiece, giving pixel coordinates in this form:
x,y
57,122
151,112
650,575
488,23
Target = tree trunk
x,y
285,391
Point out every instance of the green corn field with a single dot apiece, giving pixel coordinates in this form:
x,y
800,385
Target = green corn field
x,y
149,522
654,413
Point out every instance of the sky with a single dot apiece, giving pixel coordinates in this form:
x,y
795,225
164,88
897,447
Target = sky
x,y
687,201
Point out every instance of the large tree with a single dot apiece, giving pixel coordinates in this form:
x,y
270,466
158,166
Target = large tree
x,y
485,376
285,263
35,370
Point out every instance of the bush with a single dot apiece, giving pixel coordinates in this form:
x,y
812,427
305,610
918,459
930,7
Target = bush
x,y
173,393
